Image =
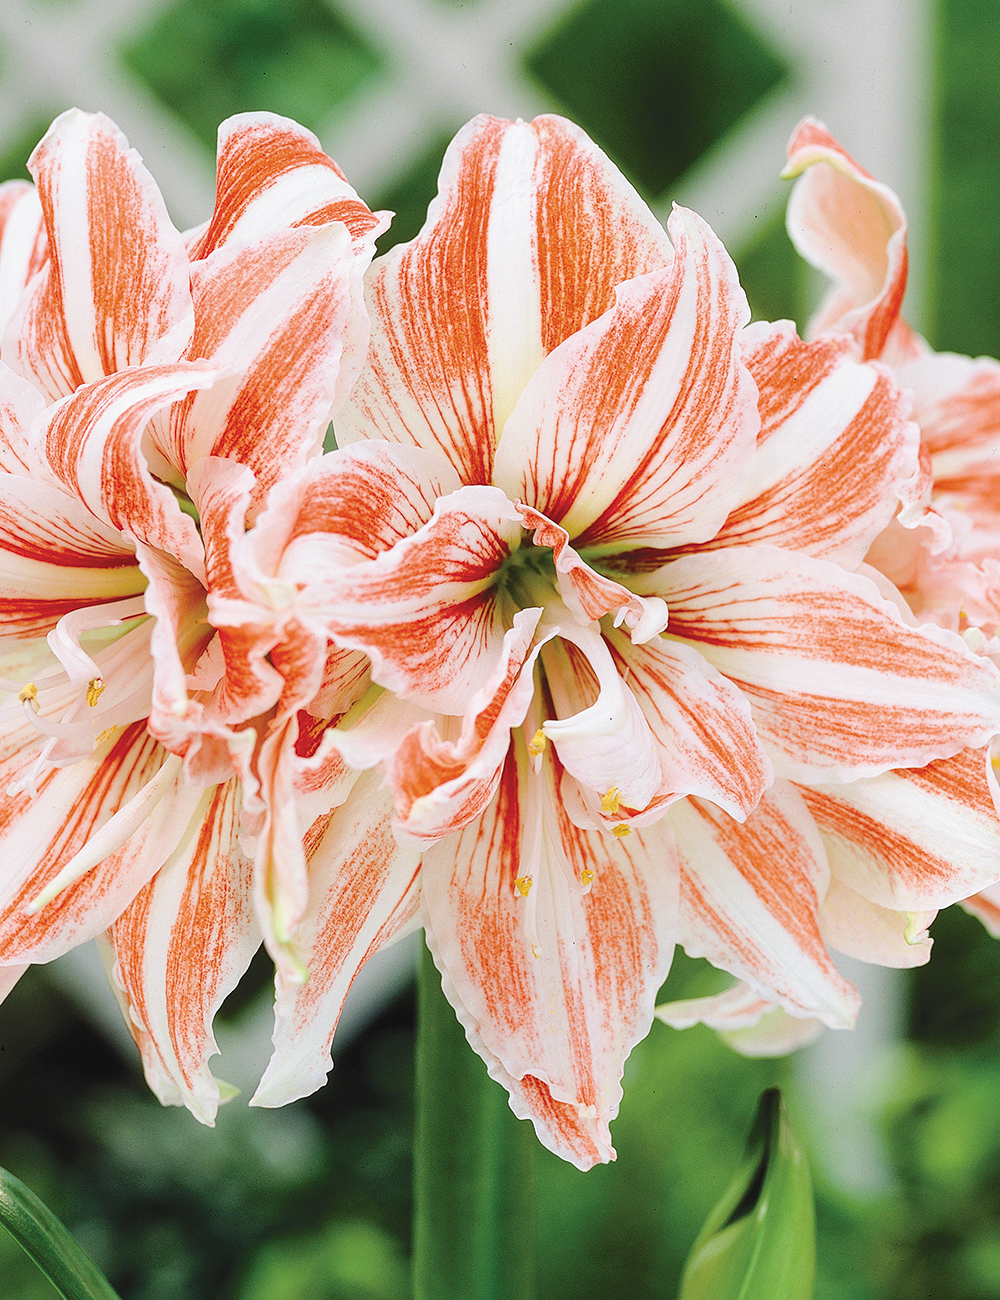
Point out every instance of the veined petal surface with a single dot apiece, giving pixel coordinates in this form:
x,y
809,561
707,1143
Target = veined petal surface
x,y
180,948
530,233
638,429
750,899
914,840
835,450
114,292
839,685
554,943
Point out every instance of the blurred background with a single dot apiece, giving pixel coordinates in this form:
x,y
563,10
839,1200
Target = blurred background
x,y
694,99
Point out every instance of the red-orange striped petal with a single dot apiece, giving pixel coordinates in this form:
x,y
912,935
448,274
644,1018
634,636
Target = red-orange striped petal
x,y
114,292
640,429
750,897
531,231
839,685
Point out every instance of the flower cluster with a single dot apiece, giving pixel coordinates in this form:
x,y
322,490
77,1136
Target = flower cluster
x,y
579,644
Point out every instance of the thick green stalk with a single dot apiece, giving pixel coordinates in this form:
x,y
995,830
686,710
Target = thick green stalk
x,y
474,1211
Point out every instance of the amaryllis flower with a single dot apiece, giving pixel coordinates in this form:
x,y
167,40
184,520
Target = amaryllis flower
x,y
599,545
152,391
947,561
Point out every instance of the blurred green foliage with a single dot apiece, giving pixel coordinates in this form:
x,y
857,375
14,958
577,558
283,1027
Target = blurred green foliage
x,y
207,61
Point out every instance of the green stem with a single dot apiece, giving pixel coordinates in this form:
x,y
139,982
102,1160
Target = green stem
x,y
474,1207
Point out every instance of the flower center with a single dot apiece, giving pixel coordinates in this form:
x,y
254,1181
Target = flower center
x,y
528,574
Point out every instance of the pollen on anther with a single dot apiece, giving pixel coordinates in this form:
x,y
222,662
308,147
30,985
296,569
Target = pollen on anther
x,y
610,801
95,687
537,744
586,877
523,885
621,830
29,691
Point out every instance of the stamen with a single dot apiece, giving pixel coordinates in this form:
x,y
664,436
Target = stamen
x,y
523,885
621,830
587,877
536,952
610,801
95,687
29,691
538,742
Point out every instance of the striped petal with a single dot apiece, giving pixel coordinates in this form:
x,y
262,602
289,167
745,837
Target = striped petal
x,y
554,943
93,442
750,899
276,313
835,453
114,817
181,947
439,786
363,893
23,244
956,401
530,233
639,429
427,611
706,741
55,556
114,292
839,685
914,840
852,228
272,174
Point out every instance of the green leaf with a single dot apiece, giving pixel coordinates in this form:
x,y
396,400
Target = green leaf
x,y
35,1228
759,1243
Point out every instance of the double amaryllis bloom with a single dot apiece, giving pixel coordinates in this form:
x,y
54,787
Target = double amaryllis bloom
x,y
570,652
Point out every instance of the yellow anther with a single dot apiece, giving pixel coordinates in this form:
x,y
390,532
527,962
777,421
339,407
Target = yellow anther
x,y
95,688
523,885
610,802
621,830
536,952
29,691
538,742
586,877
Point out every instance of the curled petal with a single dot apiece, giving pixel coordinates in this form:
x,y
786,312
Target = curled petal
x,y
426,612
605,742
839,685
638,430
440,786
93,442
852,228
859,928
589,595
115,290
750,898
271,174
